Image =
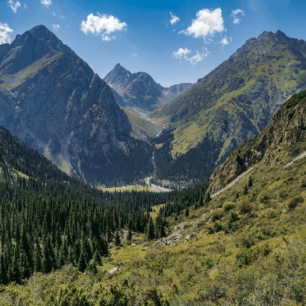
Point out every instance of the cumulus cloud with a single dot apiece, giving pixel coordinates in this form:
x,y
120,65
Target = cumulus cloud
x,y
56,27
107,38
207,22
224,41
13,5
25,6
46,2
5,31
174,19
102,24
183,54
62,17
236,20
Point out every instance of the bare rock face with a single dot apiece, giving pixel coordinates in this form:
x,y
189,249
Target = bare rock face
x,y
52,100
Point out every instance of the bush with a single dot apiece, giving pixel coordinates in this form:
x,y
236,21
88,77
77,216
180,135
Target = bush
x,y
244,207
216,215
228,206
303,182
294,202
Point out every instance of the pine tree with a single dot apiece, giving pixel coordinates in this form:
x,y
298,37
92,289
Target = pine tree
x,y
117,241
82,261
97,258
4,277
150,230
186,212
245,190
129,235
250,181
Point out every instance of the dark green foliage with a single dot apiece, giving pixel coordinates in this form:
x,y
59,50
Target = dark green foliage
x,y
186,212
245,190
294,202
150,230
117,239
295,100
228,206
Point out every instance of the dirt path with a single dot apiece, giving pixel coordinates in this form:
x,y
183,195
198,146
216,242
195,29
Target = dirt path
x,y
236,180
295,159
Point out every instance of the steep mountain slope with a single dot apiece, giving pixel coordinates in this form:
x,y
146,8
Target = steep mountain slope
x,y
52,100
140,90
245,247
231,104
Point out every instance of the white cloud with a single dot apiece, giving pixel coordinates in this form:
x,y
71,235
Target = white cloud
x,y
5,31
108,38
62,17
13,5
25,6
207,23
46,2
224,41
174,19
135,54
102,24
56,27
182,54
236,20
54,14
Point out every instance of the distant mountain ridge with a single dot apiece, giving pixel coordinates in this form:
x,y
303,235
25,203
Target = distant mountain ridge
x,y
140,90
230,105
52,100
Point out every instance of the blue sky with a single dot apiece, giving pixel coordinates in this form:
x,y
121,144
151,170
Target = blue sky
x,y
140,35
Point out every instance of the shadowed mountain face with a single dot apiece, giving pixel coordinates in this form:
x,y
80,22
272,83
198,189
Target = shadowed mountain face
x,y
52,100
140,90
231,104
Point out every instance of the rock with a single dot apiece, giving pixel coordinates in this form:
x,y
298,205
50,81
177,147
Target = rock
x,y
133,245
113,270
144,249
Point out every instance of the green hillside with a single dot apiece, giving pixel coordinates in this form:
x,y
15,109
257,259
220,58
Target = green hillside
x,y
231,104
243,246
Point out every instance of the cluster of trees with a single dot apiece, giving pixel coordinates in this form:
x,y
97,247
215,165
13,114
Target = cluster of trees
x,y
182,200
41,233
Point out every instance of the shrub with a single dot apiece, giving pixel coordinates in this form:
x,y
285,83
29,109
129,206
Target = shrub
x,y
232,217
303,182
218,226
244,207
216,215
228,206
294,202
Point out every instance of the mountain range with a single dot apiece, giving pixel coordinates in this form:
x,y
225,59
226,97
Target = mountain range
x,y
229,106
139,90
52,100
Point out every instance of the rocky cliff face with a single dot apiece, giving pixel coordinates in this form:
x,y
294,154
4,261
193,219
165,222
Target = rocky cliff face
x,y
52,100
285,130
234,102
140,90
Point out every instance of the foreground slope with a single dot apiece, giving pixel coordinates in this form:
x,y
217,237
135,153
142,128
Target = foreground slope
x,y
231,104
246,246
52,100
139,91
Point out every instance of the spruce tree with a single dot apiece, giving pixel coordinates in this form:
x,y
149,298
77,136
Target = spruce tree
x,y
150,230
117,241
187,212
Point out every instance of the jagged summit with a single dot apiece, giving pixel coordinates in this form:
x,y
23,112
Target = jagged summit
x,y
31,46
140,89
